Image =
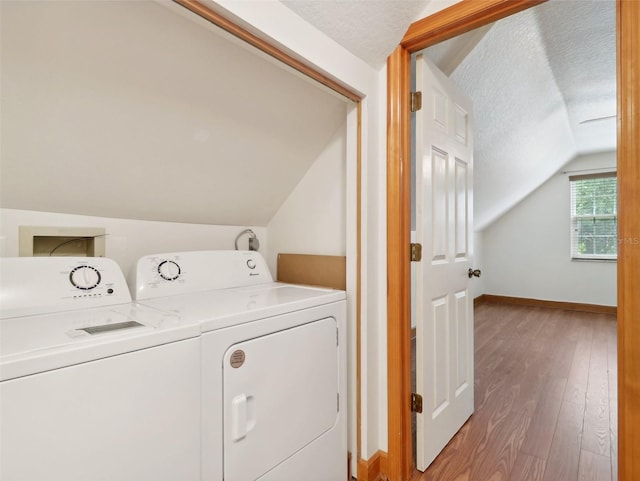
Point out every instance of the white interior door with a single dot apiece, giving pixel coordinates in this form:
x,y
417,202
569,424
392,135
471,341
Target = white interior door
x,y
444,308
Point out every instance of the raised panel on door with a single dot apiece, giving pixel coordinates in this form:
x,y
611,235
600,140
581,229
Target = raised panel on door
x,y
463,345
461,196
439,205
439,348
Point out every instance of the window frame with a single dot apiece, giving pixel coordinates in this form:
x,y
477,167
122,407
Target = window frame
x,y
574,218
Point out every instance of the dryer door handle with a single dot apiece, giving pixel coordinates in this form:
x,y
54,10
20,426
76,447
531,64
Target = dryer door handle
x,y
242,416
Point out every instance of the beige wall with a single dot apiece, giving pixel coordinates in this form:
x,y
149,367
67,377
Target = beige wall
x,y
127,239
527,251
312,220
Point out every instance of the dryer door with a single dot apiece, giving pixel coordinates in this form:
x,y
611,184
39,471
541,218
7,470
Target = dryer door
x,y
280,394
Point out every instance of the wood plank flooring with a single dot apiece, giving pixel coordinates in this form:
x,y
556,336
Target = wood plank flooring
x,y
545,399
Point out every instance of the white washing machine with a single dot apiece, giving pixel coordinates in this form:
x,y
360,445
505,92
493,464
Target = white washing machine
x,y
273,364
93,387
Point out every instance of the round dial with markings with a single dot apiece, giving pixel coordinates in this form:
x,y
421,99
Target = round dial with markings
x,y
169,270
85,277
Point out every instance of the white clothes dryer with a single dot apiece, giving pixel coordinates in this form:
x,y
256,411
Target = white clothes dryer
x,y
93,386
273,365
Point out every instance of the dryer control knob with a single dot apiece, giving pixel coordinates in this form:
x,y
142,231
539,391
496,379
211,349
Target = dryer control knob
x,y
169,270
85,277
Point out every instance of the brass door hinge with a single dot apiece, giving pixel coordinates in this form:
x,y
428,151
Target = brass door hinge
x,y
416,101
416,252
416,403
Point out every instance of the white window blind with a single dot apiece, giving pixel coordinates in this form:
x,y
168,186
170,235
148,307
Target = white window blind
x,y
594,216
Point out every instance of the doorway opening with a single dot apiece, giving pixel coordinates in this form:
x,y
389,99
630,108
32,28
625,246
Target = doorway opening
x,y
458,19
486,57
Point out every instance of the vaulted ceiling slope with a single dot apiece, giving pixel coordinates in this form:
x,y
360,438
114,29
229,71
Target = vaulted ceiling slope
x,y
142,110
534,78
543,84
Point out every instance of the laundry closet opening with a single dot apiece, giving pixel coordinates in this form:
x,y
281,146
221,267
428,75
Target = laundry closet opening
x,y
151,122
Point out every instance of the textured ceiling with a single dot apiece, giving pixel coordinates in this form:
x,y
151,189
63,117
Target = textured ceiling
x,y
582,57
533,77
370,29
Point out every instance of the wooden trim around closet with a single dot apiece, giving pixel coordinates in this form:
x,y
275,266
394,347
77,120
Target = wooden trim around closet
x,y
243,34
458,19
455,20
374,469
398,266
628,65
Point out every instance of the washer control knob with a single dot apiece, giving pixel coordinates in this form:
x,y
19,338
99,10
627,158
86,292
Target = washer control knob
x,y
169,270
85,277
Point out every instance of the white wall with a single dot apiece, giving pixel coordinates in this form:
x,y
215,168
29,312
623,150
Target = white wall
x,y
128,239
526,251
312,220
374,277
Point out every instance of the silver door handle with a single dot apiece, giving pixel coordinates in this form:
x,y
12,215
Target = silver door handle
x,y
474,272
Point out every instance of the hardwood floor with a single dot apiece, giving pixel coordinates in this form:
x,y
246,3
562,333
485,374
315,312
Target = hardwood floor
x,y
545,399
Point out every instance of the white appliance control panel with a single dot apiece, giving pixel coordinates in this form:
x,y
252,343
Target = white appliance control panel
x,y
174,273
38,285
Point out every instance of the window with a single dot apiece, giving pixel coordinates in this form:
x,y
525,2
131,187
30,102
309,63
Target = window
x,y
594,219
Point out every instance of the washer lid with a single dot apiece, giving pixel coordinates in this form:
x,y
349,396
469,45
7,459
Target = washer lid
x,y
221,308
33,344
